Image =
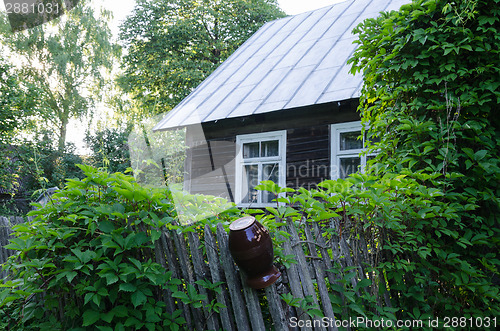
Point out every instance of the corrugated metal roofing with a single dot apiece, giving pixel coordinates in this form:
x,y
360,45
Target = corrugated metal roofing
x,y
292,62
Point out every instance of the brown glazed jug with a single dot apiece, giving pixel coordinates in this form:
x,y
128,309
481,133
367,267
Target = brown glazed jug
x,y
252,250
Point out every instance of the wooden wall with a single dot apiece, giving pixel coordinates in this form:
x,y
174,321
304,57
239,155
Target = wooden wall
x,y
210,161
307,156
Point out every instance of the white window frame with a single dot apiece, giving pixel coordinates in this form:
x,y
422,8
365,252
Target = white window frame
x,y
240,163
337,154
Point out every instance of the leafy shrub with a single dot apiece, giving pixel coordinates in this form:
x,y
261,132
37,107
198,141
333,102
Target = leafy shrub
x,y
431,94
86,260
29,166
421,264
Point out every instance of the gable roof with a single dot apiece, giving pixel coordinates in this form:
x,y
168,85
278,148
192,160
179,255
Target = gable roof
x,y
292,62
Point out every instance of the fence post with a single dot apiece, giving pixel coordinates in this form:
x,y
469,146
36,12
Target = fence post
x,y
233,280
199,274
304,273
294,280
320,278
188,274
332,278
275,308
175,268
214,264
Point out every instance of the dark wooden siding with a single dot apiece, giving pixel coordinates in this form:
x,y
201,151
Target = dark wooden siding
x,y
213,168
307,156
211,165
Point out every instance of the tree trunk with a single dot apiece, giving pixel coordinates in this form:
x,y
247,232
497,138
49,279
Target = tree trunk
x,y
62,134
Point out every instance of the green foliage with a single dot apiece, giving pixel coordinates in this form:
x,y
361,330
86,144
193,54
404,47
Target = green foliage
x,y
86,260
200,209
15,103
109,149
37,165
66,60
431,94
214,288
173,45
191,297
422,262
157,157
306,304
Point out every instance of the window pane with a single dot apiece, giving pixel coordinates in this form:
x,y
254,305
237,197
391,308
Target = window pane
x,y
250,150
270,148
250,180
349,165
349,140
270,172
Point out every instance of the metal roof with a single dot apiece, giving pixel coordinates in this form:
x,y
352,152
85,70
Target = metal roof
x,y
295,61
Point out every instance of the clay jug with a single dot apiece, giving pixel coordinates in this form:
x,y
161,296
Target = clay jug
x,y
252,250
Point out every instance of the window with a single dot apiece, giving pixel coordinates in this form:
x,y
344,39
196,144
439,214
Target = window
x,y
260,156
346,148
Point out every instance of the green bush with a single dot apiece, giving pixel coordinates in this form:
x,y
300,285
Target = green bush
x,y
431,77
86,260
28,166
424,259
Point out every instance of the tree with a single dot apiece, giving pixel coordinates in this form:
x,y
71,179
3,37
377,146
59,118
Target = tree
x,y
173,45
16,101
65,59
431,78
109,148
9,119
12,102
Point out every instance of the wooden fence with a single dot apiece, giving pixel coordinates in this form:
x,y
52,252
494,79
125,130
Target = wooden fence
x,y
248,309
205,256
6,224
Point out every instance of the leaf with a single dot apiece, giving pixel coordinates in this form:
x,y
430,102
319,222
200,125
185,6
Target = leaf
x,y
90,317
126,193
479,155
181,295
363,283
315,313
155,235
108,317
70,275
132,321
111,279
120,311
138,298
88,297
105,328
106,226
127,287
427,149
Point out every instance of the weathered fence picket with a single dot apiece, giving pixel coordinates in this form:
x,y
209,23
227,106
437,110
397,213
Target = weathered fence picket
x,y
294,282
235,288
275,308
320,278
204,256
215,270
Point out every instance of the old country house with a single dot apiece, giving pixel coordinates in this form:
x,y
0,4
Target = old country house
x,y
281,108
